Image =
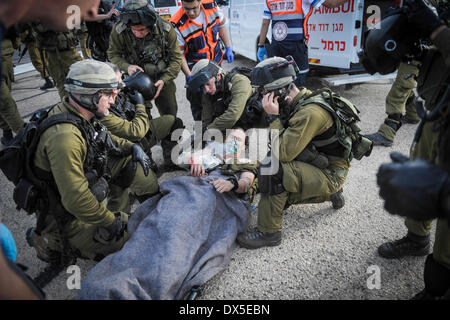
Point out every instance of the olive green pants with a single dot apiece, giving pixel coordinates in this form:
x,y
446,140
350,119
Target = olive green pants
x,y
401,90
160,128
38,59
9,114
303,183
59,63
141,185
81,235
427,149
166,103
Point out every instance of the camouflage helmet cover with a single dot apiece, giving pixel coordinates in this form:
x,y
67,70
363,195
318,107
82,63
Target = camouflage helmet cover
x,y
89,77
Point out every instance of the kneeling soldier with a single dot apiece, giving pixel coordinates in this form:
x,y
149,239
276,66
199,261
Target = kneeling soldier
x,y
77,162
314,149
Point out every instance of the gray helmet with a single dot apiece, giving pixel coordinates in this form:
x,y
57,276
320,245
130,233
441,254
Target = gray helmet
x,y
202,72
138,12
142,83
274,73
87,79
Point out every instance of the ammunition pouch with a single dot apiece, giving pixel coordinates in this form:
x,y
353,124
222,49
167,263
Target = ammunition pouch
x,y
26,196
154,69
362,148
312,156
100,189
270,184
125,178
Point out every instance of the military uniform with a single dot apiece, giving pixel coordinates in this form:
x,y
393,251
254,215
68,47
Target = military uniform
x,y
10,118
158,54
399,98
60,52
62,151
303,182
223,110
83,36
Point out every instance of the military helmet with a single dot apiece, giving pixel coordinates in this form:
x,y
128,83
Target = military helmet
x,y
142,83
202,72
88,77
385,47
274,73
138,12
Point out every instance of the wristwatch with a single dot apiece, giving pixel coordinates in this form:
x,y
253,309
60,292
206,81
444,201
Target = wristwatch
x,y
234,181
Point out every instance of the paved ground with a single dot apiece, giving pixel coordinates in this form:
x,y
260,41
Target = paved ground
x,y
325,254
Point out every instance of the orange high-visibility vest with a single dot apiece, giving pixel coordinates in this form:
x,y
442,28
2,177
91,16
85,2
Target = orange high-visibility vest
x,y
200,44
288,19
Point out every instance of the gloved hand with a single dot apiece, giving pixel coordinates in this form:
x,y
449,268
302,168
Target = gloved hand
x,y
414,188
262,51
423,16
139,155
7,242
136,97
114,231
229,54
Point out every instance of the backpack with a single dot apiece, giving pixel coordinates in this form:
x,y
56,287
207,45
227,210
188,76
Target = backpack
x,y
16,159
347,136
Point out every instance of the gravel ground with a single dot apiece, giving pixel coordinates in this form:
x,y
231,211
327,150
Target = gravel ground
x,y
325,254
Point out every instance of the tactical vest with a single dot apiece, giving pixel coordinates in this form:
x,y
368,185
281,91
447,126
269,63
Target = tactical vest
x,y
54,41
253,114
343,140
200,44
151,52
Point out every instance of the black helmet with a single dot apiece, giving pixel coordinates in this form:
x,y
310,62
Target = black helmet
x,y
274,73
385,47
138,12
142,83
201,73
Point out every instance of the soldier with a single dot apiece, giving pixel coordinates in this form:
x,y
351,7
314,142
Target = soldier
x,y
60,52
37,56
199,25
400,97
143,41
75,161
313,164
129,120
10,118
83,37
224,97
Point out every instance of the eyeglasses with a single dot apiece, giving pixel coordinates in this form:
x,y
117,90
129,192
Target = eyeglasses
x,y
192,9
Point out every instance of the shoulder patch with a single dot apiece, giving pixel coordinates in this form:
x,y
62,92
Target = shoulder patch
x,y
166,25
120,27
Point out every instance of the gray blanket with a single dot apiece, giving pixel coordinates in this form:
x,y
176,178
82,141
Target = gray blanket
x,y
179,239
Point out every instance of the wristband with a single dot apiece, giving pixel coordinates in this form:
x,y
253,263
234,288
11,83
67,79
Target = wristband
x,y
261,45
234,181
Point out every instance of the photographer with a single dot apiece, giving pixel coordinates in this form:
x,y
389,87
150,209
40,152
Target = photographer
x,y
419,189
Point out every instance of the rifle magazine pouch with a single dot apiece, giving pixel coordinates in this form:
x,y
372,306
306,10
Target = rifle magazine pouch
x,y
25,196
270,184
362,148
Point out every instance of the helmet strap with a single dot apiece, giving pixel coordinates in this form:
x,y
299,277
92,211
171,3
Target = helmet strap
x,y
90,104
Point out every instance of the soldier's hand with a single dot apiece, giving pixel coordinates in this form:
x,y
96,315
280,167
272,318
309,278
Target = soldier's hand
x,y
159,85
140,156
114,231
222,185
136,97
197,168
133,68
416,189
270,104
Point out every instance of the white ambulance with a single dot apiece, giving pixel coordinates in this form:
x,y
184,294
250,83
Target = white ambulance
x,y
335,35
166,8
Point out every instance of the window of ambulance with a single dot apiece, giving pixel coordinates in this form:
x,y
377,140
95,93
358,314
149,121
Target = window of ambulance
x,y
166,8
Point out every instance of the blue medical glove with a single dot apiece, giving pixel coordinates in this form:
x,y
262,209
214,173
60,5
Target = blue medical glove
x,y
8,243
261,53
230,55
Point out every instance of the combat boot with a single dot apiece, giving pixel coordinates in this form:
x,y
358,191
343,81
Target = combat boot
x,y
409,245
407,120
337,199
7,137
255,239
40,244
379,140
48,84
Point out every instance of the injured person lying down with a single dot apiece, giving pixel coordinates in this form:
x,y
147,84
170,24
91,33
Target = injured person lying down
x,y
183,236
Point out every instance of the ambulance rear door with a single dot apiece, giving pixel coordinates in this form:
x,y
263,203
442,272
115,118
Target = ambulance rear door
x,y
166,8
335,34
